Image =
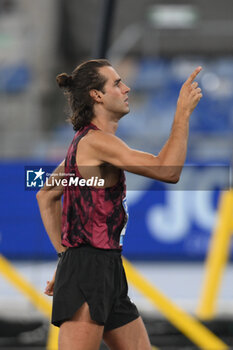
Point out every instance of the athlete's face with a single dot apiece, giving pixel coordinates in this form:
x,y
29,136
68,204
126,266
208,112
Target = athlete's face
x,y
115,96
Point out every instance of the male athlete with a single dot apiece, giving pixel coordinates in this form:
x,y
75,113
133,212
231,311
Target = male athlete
x,y
89,289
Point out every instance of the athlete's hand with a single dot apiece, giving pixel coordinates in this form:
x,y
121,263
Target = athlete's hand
x,y
49,288
190,94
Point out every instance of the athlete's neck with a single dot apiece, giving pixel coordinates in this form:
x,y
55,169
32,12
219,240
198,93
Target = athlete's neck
x,y
109,126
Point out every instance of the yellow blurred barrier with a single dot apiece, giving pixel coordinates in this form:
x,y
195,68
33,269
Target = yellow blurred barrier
x,y
217,257
30,292
189,326
52,343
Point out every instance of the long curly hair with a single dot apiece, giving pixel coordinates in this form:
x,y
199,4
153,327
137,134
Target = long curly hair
x,y
77,88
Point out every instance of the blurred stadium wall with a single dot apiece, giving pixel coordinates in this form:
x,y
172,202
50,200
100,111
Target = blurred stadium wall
x,y
42,38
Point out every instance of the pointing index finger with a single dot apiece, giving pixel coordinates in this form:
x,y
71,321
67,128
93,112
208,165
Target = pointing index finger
x,y
193,75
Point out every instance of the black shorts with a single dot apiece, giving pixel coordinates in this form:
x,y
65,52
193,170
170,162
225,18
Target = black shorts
x,y
95,276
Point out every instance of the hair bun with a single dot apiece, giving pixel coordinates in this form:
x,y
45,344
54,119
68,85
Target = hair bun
x,y
64,80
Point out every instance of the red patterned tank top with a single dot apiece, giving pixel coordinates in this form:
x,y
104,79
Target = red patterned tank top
x,y
92,216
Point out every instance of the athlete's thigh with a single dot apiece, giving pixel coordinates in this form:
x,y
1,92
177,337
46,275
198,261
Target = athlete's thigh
x,y
81,332
132,336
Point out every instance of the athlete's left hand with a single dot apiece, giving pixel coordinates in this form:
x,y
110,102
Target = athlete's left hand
x,y
49,288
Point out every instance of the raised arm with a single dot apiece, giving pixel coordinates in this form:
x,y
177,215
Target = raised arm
x,y
174,151
49,201
167,166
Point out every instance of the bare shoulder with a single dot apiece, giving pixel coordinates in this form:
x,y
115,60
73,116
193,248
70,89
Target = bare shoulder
x,y
101,146
99,138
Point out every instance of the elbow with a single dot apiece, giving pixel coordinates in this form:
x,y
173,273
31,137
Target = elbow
x,y
168,178
42,195
170,173
39,196
174,179
173,174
